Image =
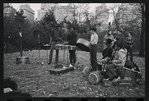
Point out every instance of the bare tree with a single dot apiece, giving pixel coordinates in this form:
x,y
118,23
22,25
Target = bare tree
x,y
131,17
142,43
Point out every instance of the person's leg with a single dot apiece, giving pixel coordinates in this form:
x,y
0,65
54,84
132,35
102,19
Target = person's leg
x,y
71,56
131,56
119,73
91,57
56,57
74,56
110,71
94,57
127,52
51,52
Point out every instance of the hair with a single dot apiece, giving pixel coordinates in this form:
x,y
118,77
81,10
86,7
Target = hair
x,y
131,33
108,41
119,44
108,31
93,29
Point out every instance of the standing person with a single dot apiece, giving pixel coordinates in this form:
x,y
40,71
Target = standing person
x,y
72,38
107,36
128,44
54,39
93,50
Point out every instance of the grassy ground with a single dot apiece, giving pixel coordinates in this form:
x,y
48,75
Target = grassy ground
x,y
35,78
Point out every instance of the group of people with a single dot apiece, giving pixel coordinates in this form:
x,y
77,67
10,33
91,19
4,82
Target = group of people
x,y
56,38
127,43
115,53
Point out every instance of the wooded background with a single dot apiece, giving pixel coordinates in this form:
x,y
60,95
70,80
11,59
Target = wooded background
x,y
130,17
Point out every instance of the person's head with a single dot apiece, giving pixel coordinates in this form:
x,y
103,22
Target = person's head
x,y
108,41
118,45
71,29
92,30
109,32
115,34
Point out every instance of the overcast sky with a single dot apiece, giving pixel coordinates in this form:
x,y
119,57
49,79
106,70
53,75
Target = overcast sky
x,y
36,6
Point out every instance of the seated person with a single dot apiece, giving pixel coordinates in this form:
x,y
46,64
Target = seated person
x,y
107,53
118,60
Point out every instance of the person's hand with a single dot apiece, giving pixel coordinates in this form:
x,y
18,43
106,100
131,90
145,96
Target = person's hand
x,y
110,62
65,42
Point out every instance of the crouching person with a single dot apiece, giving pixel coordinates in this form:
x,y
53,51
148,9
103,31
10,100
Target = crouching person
x,y
10,89
118,60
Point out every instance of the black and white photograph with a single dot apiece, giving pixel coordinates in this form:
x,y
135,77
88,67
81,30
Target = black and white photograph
x,y
74,50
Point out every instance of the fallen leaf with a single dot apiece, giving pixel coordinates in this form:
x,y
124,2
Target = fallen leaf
x,y
44,92
50,95
101,94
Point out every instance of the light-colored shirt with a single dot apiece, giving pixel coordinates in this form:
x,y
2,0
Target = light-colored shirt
x,y
94,39
120,57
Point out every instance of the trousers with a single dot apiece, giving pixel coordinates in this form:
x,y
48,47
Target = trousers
x,y
51,53
93,58
72,56
129,50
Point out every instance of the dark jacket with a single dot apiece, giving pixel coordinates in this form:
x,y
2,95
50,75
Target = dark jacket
x,y
107,52
56,34
72,38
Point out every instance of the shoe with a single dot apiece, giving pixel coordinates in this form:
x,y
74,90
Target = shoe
x,y
117,80
106,79
49,63
64,67
70,65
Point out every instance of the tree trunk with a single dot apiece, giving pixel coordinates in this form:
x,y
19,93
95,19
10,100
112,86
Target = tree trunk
x,y
142,45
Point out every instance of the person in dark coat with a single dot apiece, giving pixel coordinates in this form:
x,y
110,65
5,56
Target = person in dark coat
x,y
72,38
54,39
10,89
128,44
108,51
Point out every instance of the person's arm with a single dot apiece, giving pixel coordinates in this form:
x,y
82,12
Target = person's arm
x,y
92,39
113,38
60,33
68,37
107,53
104,39
51,38
132,39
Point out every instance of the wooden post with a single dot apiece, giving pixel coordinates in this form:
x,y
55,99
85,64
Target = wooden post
x,y
20,41
39,46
